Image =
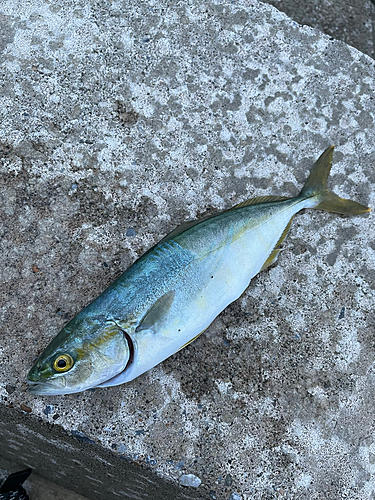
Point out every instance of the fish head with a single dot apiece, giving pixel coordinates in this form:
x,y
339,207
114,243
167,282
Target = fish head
x,y
87,352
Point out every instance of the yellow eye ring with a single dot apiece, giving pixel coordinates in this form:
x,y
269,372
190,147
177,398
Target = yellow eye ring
x,y
63,363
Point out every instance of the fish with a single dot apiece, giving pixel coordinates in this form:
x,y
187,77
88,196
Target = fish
x,y
171,294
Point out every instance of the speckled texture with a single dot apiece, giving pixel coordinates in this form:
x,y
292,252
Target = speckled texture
x,y
118,122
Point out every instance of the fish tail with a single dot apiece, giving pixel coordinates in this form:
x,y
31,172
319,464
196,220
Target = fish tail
x,y
316,187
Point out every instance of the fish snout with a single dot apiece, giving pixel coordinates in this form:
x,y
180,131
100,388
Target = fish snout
x,y
43,388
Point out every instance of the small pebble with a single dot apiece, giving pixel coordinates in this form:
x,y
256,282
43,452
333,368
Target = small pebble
x,y
131,232
48,410
235,496
10,388
25,408
190,480
81,436
228,480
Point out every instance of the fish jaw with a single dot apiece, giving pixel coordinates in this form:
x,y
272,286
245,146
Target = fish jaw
x,y
46,389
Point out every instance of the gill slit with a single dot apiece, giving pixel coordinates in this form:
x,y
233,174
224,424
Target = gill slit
x,y
129,340
130,343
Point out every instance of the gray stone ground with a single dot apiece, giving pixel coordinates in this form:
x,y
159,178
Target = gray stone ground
x,y
351,22
120,121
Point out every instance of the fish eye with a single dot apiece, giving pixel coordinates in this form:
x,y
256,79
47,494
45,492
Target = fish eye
x,y
63,363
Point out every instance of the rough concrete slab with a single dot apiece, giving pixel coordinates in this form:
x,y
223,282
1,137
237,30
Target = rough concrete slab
x,y
121,120
351,22
42,489
76,462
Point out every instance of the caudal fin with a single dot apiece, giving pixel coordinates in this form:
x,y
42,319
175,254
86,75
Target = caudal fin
x,y
316,187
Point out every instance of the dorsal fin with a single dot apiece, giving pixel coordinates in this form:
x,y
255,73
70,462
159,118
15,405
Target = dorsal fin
x,y
183,227
258,200
275,252
191,223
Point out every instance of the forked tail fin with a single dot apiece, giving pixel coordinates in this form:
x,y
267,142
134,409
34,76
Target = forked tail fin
x,y
316,186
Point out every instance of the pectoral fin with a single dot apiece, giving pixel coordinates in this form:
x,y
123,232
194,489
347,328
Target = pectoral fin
x,y
157,312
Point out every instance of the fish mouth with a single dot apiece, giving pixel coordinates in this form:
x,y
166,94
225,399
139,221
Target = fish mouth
x,y
49,389
43,388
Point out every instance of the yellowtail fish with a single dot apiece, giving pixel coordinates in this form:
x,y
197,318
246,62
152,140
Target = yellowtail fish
x,y
171,294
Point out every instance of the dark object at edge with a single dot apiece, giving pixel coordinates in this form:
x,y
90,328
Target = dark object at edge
x,y
11,489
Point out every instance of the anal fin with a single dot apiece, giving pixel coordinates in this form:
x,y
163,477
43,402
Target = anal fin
x,y
192,340
272,258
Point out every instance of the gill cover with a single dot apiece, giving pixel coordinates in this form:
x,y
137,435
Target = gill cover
x,y
87,352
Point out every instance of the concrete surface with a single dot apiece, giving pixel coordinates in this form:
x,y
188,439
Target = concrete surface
x,y
351,22
118,122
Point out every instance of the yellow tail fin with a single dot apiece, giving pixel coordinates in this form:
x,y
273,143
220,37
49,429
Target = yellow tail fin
x,y
316,186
